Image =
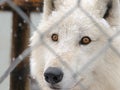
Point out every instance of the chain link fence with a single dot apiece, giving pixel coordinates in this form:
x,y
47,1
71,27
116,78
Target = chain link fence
x,y
26,52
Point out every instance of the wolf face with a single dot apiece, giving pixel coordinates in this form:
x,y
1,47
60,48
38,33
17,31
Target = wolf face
x,y
58,61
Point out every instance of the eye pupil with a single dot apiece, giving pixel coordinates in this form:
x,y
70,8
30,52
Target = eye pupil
x,y
85,40
54,37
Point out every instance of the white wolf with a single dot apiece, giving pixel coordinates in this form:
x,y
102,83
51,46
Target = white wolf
x,y
60,61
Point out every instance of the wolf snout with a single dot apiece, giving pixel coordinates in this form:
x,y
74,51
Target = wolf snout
x,y
53,75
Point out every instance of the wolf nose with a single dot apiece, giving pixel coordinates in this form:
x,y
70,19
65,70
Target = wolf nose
x,y
53,75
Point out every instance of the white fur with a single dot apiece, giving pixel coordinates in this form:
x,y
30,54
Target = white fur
x,y
104,72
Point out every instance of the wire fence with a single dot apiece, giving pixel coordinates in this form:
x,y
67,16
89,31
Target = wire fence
x,y
68,13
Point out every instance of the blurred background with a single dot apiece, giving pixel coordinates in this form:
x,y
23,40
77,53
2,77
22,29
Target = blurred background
x,y
14,39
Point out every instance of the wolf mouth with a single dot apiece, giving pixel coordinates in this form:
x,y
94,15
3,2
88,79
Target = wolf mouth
x,y
55,87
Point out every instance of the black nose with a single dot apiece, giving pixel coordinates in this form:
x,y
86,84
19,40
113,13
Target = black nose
x,y
53,75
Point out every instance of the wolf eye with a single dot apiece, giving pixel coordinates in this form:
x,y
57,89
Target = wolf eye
x,y
85,40
54,37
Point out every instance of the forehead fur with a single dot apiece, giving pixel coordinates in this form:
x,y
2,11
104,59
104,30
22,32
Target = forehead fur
x,y
74,21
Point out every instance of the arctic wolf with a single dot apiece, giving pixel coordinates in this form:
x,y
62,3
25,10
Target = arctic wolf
x,y
77,53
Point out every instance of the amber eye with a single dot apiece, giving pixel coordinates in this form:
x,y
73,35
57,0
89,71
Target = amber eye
x,y
54,37
85,40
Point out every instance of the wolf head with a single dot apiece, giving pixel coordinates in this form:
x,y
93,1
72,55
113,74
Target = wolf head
x,y
69,37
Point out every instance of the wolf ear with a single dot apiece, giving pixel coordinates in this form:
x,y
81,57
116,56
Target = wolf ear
x,y
112,13
50,6
107,9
